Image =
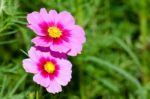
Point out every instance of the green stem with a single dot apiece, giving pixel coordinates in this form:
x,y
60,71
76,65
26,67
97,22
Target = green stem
x,y
37,94
80,82
140,90
143,31
79,13
107,12
143,26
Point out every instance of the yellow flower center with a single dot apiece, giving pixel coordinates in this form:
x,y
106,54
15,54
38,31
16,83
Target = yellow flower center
x,y
54,32
49,67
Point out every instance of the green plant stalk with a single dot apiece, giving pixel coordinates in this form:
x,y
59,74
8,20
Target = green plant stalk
x,y
79,16
143,31
80,82
140,90
107,12
18,84
37,94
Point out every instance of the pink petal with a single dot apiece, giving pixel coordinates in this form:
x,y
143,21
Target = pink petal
x,y
65,18
42,41
58,55
65,72
76,47
37,30
34,18
45,15
30,66
53,14
76,40
54,87
47,53
53,53
61,48
43,81
34,54
64,64
77,32
64,77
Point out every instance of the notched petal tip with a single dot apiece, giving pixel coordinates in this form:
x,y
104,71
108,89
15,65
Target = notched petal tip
x,y
32,50
43,81
29,66
66,18
43,10
53,12
31,15
54,88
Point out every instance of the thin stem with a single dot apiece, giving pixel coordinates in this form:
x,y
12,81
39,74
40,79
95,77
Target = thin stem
x,y
37,94
143,31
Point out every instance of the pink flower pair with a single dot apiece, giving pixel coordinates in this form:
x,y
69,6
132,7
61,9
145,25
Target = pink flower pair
x,y
57,37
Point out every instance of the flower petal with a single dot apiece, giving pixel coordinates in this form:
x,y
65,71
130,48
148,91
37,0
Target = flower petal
x,y
77,32
42,41
34,18
62,48
37,30
34,54
58,55
53,14
45,15
65,18
54,87
64,77
43,81
64,64
30,66
75,46
65,72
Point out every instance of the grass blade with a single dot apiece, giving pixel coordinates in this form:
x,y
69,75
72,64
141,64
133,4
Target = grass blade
x,y
126,75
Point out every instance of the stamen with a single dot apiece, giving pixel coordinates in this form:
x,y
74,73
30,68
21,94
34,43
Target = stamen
x,y
54,32
49,67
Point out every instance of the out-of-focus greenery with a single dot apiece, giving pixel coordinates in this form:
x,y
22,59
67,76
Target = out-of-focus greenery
x,y
115,61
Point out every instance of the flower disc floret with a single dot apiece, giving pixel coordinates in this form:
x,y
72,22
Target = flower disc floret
x,y
49,67
54,32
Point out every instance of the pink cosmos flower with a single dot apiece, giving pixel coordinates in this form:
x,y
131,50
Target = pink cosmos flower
x,y
49,72
57,31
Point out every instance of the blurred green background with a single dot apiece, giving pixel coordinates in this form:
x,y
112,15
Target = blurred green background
x,y
115,61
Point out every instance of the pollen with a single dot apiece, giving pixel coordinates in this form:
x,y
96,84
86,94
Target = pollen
x,y
49,67
54,32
